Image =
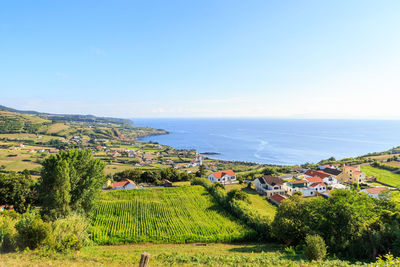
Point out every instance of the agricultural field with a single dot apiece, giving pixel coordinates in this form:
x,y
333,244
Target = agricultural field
x,y
19,160
167,215
393,163
57,127
383,176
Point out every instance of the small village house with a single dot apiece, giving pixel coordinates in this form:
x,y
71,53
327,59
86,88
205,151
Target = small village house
x,y
224,177
300,186
313,173
124,184
319,187
270,185
332,171
375,192
277,199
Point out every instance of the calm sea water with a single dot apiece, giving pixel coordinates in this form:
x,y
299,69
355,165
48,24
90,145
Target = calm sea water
x,y
277,141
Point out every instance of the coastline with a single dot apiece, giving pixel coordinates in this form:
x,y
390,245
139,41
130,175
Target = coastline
x,y
229,147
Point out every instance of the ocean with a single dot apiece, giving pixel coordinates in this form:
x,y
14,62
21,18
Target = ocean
x,y
277,141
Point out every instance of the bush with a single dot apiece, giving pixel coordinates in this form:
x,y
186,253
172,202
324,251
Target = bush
x,y
216,185
33,232
238,195
7,234
71,233
315,248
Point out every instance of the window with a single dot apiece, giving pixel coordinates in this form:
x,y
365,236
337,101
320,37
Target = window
x,y
312,193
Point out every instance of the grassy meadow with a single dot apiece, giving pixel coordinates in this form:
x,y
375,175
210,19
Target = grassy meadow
x,y
214,254
383,176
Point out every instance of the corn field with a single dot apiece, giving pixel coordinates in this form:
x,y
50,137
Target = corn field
x,y
167,215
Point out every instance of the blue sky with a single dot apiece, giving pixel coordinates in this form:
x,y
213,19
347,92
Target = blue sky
x,y
298,59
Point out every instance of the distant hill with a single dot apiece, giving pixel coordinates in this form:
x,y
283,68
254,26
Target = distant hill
x,y
69,117
64,125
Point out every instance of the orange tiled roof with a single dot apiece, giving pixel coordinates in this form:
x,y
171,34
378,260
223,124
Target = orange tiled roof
x,y
222,173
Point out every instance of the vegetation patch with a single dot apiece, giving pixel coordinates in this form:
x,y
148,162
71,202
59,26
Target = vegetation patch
x,y
168,215
382,175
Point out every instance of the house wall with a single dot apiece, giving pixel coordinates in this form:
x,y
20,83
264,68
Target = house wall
x,y
130,186
349,177
330,180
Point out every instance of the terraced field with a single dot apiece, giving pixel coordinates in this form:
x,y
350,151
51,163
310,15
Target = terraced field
x,y
169,215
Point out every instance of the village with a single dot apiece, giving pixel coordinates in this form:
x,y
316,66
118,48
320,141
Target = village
x,y
307,182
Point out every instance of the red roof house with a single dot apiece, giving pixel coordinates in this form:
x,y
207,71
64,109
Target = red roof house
x,y
124,184
222,177
277,199
320,174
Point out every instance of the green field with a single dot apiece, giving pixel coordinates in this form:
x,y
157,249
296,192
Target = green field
x,y
251,254
258,203
168,215
383,176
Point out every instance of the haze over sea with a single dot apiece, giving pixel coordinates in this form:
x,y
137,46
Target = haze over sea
x,y
277,141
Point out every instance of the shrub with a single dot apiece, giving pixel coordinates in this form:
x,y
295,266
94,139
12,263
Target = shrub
x,y
315,248
238,195
70,233
216,185
33,232
290,251
7,234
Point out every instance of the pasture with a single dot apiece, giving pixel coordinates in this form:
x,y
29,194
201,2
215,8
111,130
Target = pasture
x,y
383,176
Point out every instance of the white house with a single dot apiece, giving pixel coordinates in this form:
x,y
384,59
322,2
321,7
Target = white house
x,y
124,184
224,177
270,185
338,186
375,191
318,187
300,186
331,180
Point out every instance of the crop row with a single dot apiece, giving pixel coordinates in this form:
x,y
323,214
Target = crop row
x,y
170,215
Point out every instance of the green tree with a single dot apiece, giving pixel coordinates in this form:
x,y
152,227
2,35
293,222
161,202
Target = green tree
x,y
238,195
270,171
289,224
201,172
70,181
17,190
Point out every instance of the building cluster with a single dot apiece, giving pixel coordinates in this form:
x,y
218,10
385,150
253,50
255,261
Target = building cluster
x,y
313,183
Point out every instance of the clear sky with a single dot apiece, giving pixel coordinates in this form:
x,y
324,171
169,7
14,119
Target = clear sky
x,y
205,58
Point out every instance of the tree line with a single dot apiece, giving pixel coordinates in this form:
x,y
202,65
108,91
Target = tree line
x,y
152,176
